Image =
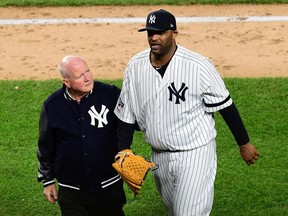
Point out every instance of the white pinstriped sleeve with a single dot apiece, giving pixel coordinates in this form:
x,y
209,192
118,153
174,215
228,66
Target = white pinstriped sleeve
x,y
214,92
123,108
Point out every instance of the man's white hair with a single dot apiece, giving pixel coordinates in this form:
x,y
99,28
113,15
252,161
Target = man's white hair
x,y
62,66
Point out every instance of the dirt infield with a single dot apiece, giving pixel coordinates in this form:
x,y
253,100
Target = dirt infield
x,y
238,49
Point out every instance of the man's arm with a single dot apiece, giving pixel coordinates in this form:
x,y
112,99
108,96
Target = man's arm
x,y
45,152
233,120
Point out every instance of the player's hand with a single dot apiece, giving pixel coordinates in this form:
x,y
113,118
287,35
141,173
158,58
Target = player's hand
x,y
249,153
50,193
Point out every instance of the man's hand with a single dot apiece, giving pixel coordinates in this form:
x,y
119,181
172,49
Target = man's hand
x,y
249,153
50,193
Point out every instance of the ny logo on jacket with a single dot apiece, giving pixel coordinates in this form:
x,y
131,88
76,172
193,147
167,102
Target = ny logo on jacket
x,y
101,117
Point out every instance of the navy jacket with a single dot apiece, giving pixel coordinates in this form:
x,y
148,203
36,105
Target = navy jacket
x,y
78,141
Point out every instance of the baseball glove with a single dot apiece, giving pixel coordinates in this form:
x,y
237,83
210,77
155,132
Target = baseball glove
x,y
132,168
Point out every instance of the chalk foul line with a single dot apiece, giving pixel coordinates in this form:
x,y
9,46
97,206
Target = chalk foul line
x,y
142,20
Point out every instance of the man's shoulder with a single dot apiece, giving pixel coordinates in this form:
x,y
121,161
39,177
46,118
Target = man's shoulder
x,y
105,88
58,94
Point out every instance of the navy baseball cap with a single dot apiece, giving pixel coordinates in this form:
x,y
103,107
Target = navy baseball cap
x,y
160,20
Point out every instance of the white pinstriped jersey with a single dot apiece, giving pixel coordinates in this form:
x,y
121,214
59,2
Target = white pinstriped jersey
x,y
174,112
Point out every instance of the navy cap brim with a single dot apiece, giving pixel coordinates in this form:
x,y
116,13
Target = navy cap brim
x,y
151,29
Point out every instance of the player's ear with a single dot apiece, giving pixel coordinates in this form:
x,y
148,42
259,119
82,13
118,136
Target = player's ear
x,y
175,33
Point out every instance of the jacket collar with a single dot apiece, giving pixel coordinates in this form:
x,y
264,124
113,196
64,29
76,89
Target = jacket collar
x,y
68,96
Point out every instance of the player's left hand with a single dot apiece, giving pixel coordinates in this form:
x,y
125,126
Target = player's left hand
x,y
249,153
132,168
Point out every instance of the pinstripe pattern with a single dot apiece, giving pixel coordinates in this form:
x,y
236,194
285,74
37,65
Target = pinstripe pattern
x,y
170,126
186,180
175,114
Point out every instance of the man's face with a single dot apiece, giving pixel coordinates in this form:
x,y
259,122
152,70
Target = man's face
x,y
80,80
161,42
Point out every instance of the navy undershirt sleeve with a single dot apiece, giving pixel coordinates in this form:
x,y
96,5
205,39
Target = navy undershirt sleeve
x,y
125,134
233,120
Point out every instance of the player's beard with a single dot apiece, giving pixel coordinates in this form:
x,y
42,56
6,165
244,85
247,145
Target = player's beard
x,y
159,51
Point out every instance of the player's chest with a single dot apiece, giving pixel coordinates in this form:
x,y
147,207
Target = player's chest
x,y
171,88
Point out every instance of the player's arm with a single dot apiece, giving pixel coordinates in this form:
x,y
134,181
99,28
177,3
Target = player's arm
x,y
232,118
125,134
123,112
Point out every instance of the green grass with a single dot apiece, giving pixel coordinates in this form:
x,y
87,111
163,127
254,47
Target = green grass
x,y
239,190
130,2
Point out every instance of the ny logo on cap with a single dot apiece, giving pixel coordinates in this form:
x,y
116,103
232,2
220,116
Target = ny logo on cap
x,y
152,19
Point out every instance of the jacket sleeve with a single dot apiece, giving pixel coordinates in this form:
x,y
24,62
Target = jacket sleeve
x,y
46,151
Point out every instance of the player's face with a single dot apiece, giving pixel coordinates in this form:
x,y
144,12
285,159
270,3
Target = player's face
x,y
80,80
162,42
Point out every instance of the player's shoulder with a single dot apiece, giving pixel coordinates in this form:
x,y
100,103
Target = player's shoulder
x,y
141,55
190,55
185,52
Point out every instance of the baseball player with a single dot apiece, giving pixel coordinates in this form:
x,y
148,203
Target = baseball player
x,y
172,93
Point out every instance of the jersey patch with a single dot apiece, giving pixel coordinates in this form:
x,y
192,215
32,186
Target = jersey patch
x,y
120,105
